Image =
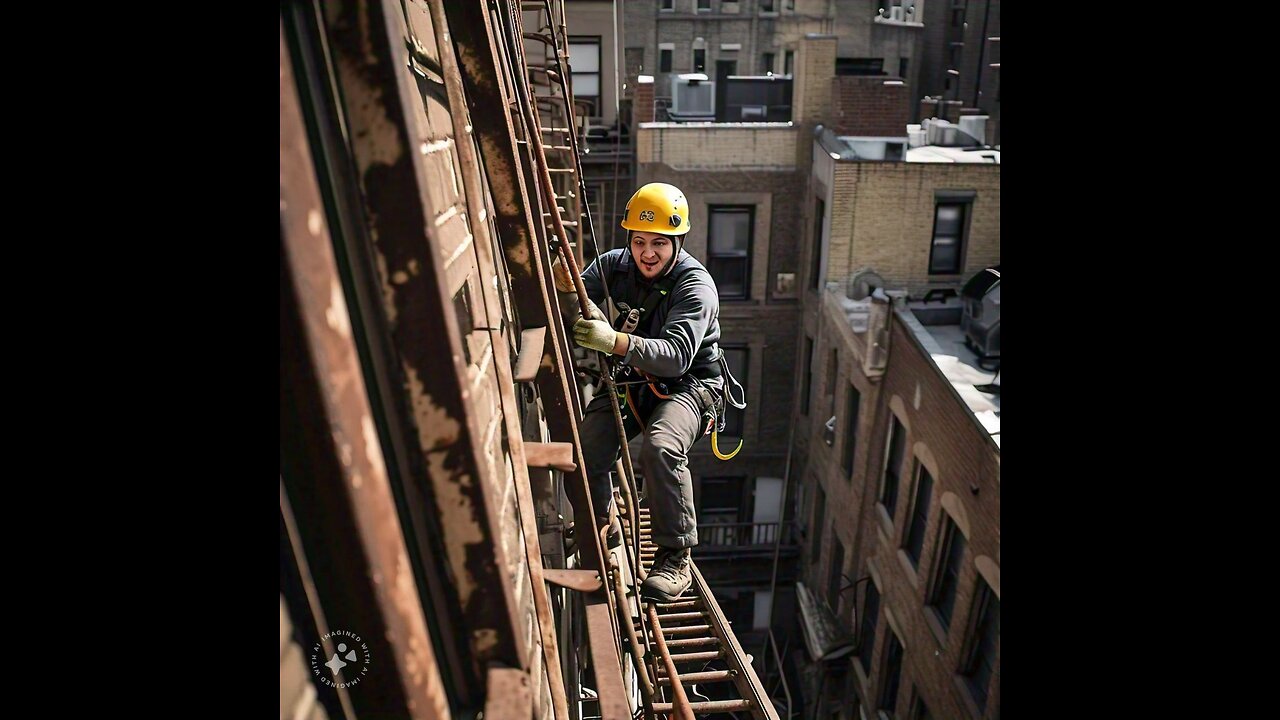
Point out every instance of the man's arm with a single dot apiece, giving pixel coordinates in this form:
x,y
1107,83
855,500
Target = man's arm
x,y
591,279
694,304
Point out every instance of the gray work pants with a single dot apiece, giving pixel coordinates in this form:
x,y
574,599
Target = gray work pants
x,y
673,426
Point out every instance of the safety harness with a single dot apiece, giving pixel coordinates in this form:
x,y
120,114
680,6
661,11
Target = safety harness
x,y
714,414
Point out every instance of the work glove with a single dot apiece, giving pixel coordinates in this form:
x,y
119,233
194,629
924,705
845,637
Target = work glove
x,y
560,273
593,312
595,335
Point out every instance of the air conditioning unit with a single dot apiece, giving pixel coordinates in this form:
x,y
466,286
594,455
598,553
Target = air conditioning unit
x,y
692,97
975,125
980,318
896,13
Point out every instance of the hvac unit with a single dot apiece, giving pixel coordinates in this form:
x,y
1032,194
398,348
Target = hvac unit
x,y
692,97
980,318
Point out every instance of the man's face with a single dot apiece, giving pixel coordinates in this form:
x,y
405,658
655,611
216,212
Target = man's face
x,y
651,252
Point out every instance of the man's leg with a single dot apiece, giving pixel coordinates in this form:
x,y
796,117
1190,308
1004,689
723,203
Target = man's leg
x,y
674,426
600,447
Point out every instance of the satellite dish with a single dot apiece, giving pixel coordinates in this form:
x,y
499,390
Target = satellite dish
x,y
863,283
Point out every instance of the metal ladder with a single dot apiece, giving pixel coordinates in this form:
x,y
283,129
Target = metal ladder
x,y
676,640
662,638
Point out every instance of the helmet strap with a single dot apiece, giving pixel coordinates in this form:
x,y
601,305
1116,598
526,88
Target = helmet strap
x,y
678,242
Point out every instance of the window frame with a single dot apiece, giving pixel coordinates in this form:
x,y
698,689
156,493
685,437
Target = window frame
x,y
714,257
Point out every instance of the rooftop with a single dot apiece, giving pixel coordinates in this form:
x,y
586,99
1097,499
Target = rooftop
x,y
935,142
940,154
944,341
946,346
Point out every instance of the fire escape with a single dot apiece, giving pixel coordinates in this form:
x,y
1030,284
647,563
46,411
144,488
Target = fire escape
x,y
430,172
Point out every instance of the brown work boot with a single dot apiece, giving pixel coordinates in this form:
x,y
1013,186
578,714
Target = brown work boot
x,y
670,575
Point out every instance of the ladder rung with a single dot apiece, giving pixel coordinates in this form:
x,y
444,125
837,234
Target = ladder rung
x,y
692,642
696,657
561,170
686,630
707,707
548,131
531,344
673,617
678,604
558,455
701,677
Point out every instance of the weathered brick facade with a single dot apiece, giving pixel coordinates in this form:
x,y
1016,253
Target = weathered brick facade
x,y
882,213
942,436
865,105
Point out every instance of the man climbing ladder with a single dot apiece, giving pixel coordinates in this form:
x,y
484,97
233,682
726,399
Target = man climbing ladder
x,y
673,382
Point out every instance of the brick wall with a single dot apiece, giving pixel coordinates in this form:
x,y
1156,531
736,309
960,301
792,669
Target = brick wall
x,y
815,66
707,146
865,105
642,106
882,217
959,456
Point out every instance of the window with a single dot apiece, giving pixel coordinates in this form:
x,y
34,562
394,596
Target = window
x,y
953,55
850,430
819,505
859,66
819,221
835,573
980,660
704,6
950,552
768,64
892,675
902,68
729,249
808,376
667,5
889,487
737,360
768,6
738,606
919,514
720,502
664,59
788,60
584,59
949,221
726,67
699,61
867,629
633,61
957,17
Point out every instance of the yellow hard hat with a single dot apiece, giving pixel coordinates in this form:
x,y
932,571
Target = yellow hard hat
x,y
657,208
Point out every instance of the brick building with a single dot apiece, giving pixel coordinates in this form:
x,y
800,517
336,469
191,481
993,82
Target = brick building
x,y
901,502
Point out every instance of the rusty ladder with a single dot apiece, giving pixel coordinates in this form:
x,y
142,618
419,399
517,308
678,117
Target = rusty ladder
x,y
662,638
